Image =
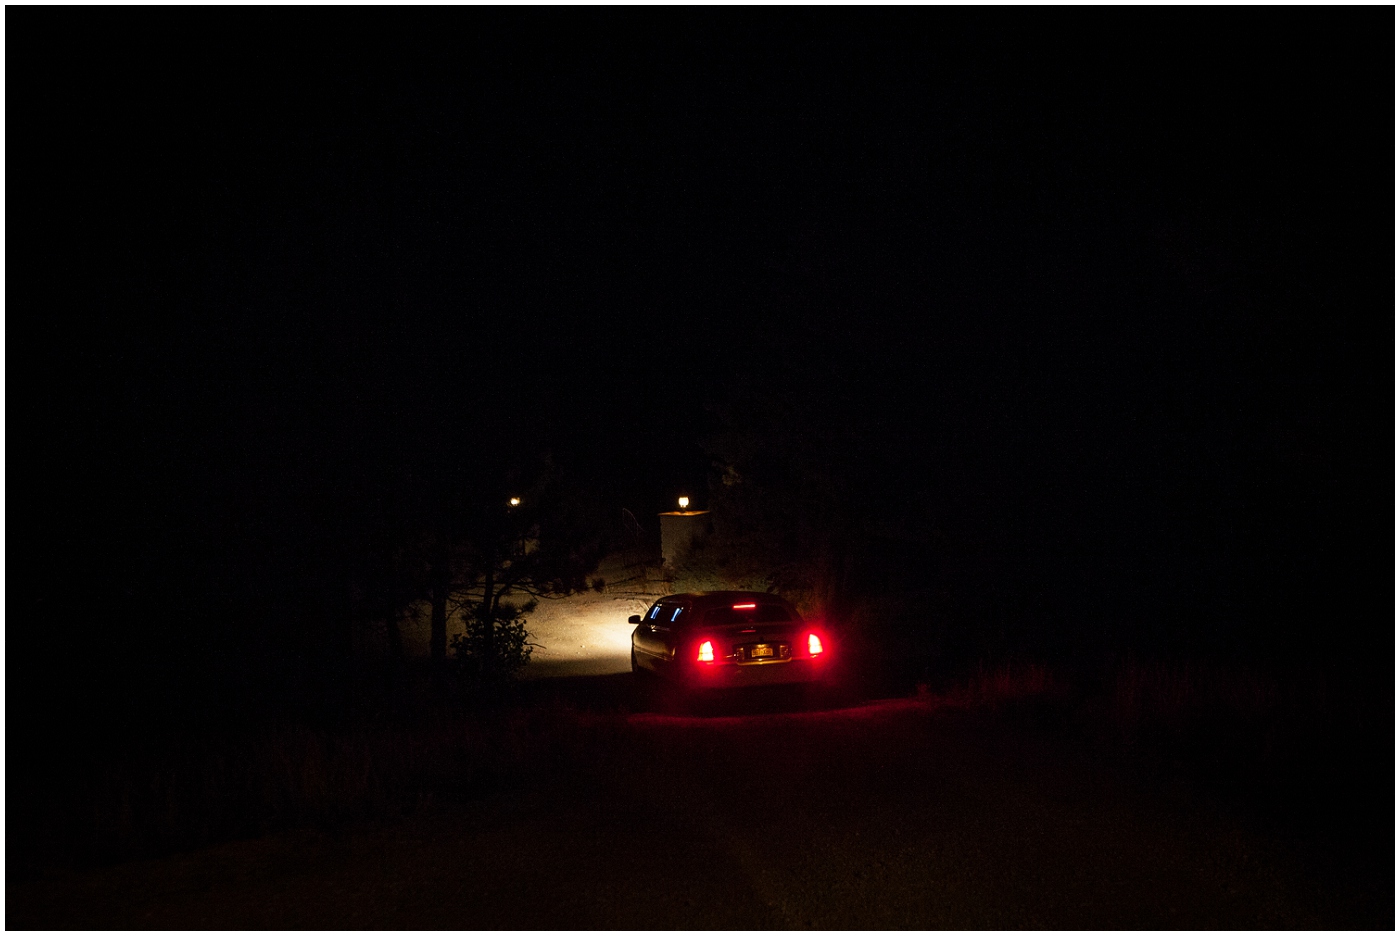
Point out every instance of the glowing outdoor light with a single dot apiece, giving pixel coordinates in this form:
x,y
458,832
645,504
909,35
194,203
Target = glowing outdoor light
x,y
683,501
515,502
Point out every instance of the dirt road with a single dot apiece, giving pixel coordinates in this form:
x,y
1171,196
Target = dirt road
x,y
886,814
587,634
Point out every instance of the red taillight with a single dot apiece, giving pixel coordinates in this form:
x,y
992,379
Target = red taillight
x,y
814,645
707,653
745,607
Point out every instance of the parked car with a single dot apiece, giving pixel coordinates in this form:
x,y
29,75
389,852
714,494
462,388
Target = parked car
x,y
728,639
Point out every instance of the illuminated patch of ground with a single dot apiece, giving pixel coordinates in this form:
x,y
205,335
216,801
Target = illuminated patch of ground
x,y
588,634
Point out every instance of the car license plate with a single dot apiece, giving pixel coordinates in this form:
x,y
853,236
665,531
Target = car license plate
x,y
756,652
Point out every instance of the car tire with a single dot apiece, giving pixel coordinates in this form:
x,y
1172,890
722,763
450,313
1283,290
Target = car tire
x,y
643,686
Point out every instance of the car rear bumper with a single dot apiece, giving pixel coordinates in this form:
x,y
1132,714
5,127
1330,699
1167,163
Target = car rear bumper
x,y
734,675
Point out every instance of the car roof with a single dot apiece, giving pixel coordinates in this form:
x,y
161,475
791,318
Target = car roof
x,y
715,599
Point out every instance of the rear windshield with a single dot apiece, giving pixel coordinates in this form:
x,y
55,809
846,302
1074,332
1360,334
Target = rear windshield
x,y
763,614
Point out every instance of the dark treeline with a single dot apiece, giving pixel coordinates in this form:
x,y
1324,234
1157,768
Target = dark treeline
x,y
1150,446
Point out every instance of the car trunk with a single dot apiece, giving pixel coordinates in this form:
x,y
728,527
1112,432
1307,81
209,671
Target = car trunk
x,y
756,644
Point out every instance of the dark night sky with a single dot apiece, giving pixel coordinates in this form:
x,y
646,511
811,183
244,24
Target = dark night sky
x,y
1087,263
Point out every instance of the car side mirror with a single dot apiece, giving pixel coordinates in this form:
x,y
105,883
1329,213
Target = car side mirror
x,y
635,619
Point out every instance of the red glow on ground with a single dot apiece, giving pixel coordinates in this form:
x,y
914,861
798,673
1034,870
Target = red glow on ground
x,y
867,711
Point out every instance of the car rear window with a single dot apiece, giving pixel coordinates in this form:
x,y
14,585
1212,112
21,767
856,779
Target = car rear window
x,y
762,614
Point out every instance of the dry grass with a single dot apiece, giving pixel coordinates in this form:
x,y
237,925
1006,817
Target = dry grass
x,y
1175,698
989,687
216,789
1247,731
1250,727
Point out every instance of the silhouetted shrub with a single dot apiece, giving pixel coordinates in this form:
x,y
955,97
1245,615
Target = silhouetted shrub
x,y
495,645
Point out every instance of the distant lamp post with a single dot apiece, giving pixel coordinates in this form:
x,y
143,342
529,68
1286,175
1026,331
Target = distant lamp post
x,y
515,502
680,529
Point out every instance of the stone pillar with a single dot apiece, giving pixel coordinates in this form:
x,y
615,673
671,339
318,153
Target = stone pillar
x,y
680,528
